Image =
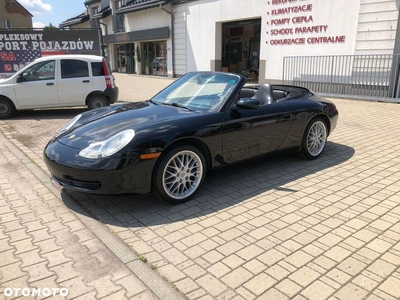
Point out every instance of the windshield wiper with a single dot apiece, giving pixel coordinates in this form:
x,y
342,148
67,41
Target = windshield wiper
x,y
177,105
151,101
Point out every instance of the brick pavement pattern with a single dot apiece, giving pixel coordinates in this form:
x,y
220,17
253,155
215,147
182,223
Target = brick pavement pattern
x,y
45,249
285,228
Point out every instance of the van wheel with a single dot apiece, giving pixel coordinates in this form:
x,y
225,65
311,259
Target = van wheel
x,y
97,101
7,108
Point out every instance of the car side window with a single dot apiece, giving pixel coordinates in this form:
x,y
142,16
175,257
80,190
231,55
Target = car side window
x,y
73,68
98,69
40,71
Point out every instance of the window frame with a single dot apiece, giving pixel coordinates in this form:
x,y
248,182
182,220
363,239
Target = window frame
x,y
33,73
72,70
6,23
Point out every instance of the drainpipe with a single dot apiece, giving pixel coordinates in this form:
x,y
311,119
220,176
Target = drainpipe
x,y
172,37
102,40
105,25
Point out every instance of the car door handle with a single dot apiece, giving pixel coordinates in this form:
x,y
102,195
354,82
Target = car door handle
x,y
287,116
84,81
50,83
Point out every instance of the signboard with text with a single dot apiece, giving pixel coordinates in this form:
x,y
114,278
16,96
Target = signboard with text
x,y
20,47
292,22
307,28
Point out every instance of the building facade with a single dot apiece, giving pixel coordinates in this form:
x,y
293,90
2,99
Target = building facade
x,y
137,35
14,15
253,38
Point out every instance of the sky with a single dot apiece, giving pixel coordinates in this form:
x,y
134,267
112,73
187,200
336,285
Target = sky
x,y
52,11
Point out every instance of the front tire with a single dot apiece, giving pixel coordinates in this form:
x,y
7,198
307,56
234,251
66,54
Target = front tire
x,y
314,139
179,174
97,101
7,108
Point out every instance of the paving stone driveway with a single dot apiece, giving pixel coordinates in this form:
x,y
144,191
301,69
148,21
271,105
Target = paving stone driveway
x,y
272,229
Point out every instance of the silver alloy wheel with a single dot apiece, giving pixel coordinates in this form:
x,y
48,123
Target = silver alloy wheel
x,y
182,174
316,138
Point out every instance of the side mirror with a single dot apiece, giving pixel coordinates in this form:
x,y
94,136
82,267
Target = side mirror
x,y
248,103
20,78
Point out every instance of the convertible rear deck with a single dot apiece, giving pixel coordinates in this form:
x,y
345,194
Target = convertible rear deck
x,y
279,92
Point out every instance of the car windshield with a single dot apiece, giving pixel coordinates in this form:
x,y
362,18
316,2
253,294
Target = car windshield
x,y
198,91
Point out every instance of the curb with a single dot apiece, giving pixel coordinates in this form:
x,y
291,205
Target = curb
x,y
152,280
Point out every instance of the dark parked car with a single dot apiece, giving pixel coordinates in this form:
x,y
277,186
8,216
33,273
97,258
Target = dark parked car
x,y
201,121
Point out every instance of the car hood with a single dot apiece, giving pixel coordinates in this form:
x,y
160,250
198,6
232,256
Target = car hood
x,y
103,123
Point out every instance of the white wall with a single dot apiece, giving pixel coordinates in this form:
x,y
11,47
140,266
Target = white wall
x,y
376,32
340,17
147,19
202,17
180,36
108,22
85,25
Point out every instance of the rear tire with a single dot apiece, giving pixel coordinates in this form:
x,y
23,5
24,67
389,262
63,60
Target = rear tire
x,y
7,108
97,101
179,174
314,139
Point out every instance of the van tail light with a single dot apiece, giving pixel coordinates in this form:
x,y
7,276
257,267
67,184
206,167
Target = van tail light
x,y
107,74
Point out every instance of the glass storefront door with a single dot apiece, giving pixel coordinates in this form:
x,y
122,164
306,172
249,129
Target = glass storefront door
x,y
130,58
148,56
120,58
154,60
125,58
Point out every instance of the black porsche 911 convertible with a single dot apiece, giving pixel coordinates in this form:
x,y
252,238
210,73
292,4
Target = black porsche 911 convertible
x,y
201,121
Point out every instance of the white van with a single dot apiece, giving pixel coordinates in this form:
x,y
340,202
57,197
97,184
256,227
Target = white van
x,y
59,81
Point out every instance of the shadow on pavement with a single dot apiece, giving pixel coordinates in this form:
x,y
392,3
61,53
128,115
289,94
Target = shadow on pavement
x,y
54,113
223,188
43,114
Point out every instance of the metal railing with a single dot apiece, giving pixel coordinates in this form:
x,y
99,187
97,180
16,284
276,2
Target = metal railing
x,y
372,77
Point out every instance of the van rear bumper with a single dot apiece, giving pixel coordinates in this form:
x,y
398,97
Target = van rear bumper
x,y
112,94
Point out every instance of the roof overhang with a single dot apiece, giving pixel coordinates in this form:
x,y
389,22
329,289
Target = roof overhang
x,y
177,2
90,2
137,5
105,12
82,18
140,35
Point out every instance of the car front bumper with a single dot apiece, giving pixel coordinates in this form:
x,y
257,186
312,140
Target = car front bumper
x,y
97,176
333,119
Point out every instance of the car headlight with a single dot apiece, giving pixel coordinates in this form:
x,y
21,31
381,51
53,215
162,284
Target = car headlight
x,y
70,123
108,147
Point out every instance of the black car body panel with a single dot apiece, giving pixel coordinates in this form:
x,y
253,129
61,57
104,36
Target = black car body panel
x,y
225,132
